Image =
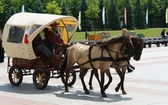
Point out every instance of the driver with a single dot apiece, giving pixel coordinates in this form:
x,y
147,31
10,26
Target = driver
x,y
53,37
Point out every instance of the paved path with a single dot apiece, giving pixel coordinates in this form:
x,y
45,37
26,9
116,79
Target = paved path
x,y
147,85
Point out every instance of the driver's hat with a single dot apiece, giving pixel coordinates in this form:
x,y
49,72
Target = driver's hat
x,y
55,23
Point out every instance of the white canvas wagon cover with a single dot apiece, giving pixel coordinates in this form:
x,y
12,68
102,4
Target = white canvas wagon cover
x,y
22,28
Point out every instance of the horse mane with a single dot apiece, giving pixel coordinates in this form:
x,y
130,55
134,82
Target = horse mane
x,y
114,40
135,39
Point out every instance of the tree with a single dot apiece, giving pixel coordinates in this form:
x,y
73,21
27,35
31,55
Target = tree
x,y
130,15
10,7
64,9
93,10
38,7
1,12
99,22
53,8
1,7
74,7
85,22
27,5
139,15
163,7
113,18
154,13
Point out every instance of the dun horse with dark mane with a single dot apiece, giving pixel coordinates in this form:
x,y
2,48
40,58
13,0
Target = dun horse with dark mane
x,y
100,56
120,67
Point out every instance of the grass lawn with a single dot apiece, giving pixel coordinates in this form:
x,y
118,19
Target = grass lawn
x,y
151,32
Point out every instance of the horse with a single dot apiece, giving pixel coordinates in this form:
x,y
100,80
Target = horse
x,y
138,44
99,56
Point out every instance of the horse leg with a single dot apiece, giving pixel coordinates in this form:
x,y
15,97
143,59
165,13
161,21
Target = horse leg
x,y
110,79
120,75
122,81
102,84
66,82
90,80
94,71
69,62
83,72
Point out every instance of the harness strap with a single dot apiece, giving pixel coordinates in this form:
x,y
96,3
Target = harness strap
x,y
122,59
90,48
126,59
98,59
108,50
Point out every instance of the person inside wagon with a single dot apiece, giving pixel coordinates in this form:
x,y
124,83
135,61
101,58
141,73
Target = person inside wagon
x,y
39,44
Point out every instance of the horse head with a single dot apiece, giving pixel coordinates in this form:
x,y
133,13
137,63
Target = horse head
x,y
127,45
138,46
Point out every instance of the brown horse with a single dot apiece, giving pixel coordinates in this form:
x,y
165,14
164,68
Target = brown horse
x,y
100,56
121,66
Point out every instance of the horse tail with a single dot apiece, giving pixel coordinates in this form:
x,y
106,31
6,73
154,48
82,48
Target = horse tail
x,y
64,65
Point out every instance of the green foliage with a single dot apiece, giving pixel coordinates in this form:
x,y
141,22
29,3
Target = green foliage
x,y
114,12
28,4
139,15
93,10
53,8
38,7
154,13
74,7
130,15
1,7
113,18
99,23
85,22
163,6
64,9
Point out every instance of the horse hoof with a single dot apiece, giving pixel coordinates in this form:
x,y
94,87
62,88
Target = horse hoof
x,y
91,88
124,92
104,95
116,89
87,92
66,90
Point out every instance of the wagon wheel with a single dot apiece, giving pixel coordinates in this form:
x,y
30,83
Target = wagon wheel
x,y
15,75
71,80
40,78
